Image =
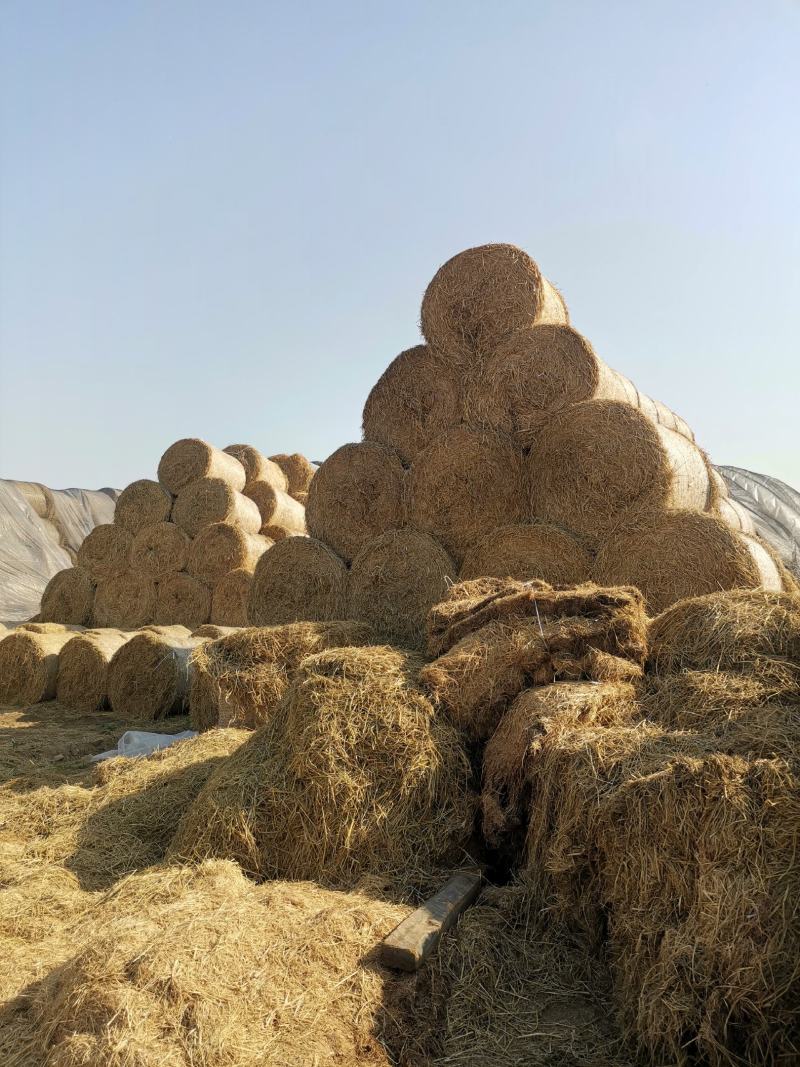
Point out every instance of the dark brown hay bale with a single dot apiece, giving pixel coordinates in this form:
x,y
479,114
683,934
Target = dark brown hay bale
x,y
210,500
538,371
484,293
221,548
352,776
394,581
356,494
83,669
29,666
529,551
297,469
278,510
601,463
104,552
299,579
682,554
191,459
230,597
465,484
148,677
143,503
125,603
184,600
159,551
258,468
241,679
416,398
68,597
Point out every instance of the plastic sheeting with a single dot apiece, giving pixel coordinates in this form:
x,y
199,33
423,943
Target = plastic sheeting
x,y
41,531
774,508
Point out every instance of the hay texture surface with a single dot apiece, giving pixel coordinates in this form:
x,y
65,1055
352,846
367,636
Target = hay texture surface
x,y
257,467
83,669
416,398
281,515
230,597
223,547
356,495
299,579
184,600
148,677
353,776
191,459
394,581
465,484
142,503
104,552
29,666
159,551
527,551
68,597
297,469
484,293
210,500
126,603
680,554
600,464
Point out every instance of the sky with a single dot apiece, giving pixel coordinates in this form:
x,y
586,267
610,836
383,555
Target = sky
x,y
217,220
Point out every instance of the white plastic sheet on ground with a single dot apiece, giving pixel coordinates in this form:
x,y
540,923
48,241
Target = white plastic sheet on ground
x,y
142,743
774,508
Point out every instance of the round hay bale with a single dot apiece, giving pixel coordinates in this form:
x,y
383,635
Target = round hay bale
x,y
184,600
395,580
538,371
258,468
484,293
125,603
148,676
466,483
299,579
297,469
104,552
143,503
736,516
529,551
680,554
356,494
277,509
416,398
159,551
48,627
191,459
83,669
353,775
68,597
230,597
29,666
223,547
209,500
599,463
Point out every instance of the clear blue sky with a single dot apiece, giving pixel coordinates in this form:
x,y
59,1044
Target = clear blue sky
x,y
218,219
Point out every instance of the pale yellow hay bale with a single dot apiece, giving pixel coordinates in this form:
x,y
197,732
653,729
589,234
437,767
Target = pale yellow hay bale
x,y
29,666
277,509
142,503
258,468
126,603
209,500
105,551
297,469
159,551
221,548
184,600
83,669
190,459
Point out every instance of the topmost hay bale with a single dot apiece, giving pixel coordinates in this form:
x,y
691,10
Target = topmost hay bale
x,y
68,597
29,666
297,469
209,500
529,551
599,464
725,631
190,459
484,293
416,398
538,371
299,579
257,467
142,503
104,551
356,495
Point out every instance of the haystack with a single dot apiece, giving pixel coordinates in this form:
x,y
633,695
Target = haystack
x,y
47,627
257,467
191,459
707,700
223,547
281,515
143,503
210,500
528,551
737,517
148,677
678,554
230,597
83,669
416,398
394,581
538,371
298,579
68,597
240,679
159,551
104,552
484,293
356,495
601,463
465,484
126,603
297,469
184,600
29,666
353,775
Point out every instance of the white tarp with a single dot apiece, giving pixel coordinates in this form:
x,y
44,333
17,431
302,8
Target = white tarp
x,y
774,508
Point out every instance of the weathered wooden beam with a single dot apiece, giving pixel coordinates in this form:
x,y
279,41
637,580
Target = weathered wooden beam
x,y
408,946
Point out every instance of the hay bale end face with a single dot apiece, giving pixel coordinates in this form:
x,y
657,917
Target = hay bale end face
x,y
184,600
104,552
142,503
68,598
210,500
83,669
299,579
258,468
159,551
529,551
356,494
297,469
125,603
230,597
29,666
191,459
278,510
148,677
221,548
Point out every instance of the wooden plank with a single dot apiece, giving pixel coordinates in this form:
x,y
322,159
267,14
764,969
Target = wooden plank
x,y
408,946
